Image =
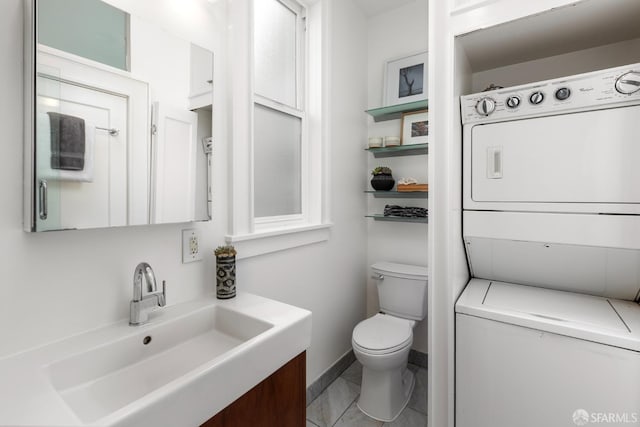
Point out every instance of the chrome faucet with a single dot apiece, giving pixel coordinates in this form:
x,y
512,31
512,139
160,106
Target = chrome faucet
x,y
146,298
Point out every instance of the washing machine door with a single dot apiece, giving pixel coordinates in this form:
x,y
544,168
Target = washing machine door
x,y
597,319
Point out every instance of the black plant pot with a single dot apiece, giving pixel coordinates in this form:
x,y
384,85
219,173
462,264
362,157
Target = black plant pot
x,y
382,182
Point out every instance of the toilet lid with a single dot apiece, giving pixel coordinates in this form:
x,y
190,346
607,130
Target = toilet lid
x,y
383,332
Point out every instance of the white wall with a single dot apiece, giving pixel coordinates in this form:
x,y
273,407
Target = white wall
x,y
163,60
393,34
471,15
61,283
582,61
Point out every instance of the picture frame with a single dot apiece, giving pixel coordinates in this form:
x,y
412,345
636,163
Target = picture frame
x,y
405,79
415,128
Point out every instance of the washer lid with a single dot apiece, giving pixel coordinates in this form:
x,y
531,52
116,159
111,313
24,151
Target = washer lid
x,y
383,333
603,320
407,271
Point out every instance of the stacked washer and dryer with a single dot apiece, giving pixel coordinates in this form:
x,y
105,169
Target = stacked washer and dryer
x,y
548,328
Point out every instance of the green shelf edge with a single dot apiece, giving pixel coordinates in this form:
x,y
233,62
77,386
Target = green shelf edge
x,y
400,150
399,194
395,111
398,219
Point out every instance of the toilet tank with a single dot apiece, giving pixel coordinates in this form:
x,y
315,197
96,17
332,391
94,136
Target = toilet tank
x,y
402,289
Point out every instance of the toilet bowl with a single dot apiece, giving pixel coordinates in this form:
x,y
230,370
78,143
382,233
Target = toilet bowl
x,y
382,342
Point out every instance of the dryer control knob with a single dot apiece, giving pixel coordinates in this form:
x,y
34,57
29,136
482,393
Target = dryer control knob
x,y
513,101
628,83
536,97
563,94
485,106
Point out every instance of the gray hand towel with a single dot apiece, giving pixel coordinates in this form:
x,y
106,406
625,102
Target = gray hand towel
x,y
67,142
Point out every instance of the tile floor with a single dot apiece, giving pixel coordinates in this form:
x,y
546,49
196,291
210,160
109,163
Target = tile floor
x,y
336,406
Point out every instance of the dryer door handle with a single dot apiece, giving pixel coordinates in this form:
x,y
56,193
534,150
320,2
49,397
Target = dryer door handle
x,y
494,162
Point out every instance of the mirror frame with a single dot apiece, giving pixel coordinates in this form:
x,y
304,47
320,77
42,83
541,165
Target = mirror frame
x,y
29,90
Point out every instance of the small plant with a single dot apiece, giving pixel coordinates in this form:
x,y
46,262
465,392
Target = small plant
x,y
381,170
225,251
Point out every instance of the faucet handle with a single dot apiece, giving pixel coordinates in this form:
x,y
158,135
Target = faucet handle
x,y
162,297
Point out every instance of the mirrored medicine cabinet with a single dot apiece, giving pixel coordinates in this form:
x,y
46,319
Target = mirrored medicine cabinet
x,y
118,118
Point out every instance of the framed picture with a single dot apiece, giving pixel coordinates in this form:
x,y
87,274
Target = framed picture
x,y
415,128
405,80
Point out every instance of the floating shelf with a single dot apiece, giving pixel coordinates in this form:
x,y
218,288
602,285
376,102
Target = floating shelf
x,y
395,111
400,150
399,194
398,219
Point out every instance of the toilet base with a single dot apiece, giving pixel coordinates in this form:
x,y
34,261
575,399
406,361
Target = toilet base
x,y
384,394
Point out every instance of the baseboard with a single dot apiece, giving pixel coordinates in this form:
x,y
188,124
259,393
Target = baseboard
x,y
418,358
318,386
329,376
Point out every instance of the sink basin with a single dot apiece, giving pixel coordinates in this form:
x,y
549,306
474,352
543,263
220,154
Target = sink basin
x,y
188,363
99,381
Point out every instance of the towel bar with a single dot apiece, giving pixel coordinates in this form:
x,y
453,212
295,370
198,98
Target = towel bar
x,y
112,131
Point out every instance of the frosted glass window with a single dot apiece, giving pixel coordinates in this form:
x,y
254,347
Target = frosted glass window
x,y
88,28
275,51
277,163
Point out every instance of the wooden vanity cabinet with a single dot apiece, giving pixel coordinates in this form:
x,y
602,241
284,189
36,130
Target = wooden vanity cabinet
x,y
278,401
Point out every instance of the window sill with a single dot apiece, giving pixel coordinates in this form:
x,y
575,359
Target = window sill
x,y
264,242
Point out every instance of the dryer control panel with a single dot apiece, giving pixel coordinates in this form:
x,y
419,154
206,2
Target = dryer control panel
x,y
598,89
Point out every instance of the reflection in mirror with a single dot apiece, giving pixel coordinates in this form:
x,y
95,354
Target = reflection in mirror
x,y
121,117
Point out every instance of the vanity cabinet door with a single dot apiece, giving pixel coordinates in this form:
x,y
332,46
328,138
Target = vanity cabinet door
x,y
278,401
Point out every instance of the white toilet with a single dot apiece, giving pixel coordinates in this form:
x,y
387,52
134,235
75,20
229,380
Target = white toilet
x,y
382,342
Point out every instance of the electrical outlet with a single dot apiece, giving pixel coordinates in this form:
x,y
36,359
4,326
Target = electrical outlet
x,y
191,250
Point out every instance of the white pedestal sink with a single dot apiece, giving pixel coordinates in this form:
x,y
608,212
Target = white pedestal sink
x,y
189,362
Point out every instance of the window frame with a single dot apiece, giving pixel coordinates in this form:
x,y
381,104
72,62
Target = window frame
x,y
267,223
251,236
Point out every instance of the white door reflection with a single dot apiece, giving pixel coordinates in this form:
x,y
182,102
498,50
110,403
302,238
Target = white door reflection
x,y
96,195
